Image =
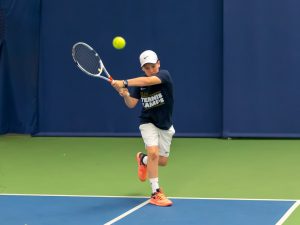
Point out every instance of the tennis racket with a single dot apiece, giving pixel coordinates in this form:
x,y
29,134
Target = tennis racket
x,y
89,61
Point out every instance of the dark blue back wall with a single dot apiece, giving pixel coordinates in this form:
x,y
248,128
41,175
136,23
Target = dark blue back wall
x,y
235,65
19,56
261,68
187,38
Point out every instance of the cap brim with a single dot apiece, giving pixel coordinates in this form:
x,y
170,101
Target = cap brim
x,y
150,61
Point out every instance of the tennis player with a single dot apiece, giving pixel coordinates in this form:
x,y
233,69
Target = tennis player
x,y
155,90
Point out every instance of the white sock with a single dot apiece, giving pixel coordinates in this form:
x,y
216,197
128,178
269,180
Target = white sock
x,y
145,160
154,184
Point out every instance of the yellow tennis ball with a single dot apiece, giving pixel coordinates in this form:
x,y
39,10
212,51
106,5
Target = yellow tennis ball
x,y
119,42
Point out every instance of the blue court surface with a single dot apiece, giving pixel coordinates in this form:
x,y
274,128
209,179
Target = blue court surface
x,y
93,210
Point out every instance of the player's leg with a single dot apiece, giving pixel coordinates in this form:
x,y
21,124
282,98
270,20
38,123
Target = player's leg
x,y
165,139
150,138
150,135
152,162
157,197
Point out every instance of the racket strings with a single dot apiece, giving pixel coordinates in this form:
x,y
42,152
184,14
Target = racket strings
x,y
87,58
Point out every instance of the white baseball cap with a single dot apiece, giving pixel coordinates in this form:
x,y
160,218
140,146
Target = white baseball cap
x,y
148,56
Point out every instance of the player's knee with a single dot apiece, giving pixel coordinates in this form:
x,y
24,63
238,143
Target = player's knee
x,y
163,163
153,155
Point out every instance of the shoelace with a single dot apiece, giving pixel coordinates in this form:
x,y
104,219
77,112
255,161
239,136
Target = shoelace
x,y
160,196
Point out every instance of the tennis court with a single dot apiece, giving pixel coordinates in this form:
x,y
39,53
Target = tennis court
x,y
34,210
93,94
93,181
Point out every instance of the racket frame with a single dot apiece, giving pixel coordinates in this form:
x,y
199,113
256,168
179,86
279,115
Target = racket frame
x,y
102,68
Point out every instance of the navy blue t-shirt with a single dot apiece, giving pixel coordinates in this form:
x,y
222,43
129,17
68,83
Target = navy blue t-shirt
x,y
157,101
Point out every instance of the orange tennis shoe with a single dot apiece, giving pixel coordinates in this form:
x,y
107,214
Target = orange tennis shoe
x,y
159,199
142,169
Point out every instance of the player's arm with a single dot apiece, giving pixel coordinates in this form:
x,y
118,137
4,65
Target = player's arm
x,y
143,81
129,101
137,82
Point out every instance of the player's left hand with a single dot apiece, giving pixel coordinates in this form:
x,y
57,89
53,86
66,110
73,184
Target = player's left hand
x,y
124,92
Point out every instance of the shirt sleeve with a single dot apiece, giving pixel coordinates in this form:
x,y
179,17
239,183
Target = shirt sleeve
x,y
164,76
135,92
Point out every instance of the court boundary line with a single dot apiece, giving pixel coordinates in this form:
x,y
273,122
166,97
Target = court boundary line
x,y
119,196
127,213
288,213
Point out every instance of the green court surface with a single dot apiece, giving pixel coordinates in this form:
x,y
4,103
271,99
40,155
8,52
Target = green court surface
x,y
198,167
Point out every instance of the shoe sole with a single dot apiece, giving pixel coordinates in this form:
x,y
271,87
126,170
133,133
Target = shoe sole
x,y
162,205
138,159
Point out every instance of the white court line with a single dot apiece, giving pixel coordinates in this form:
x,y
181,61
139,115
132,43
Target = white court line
x,y
112,196
77,196
288,213
238,199
127,213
